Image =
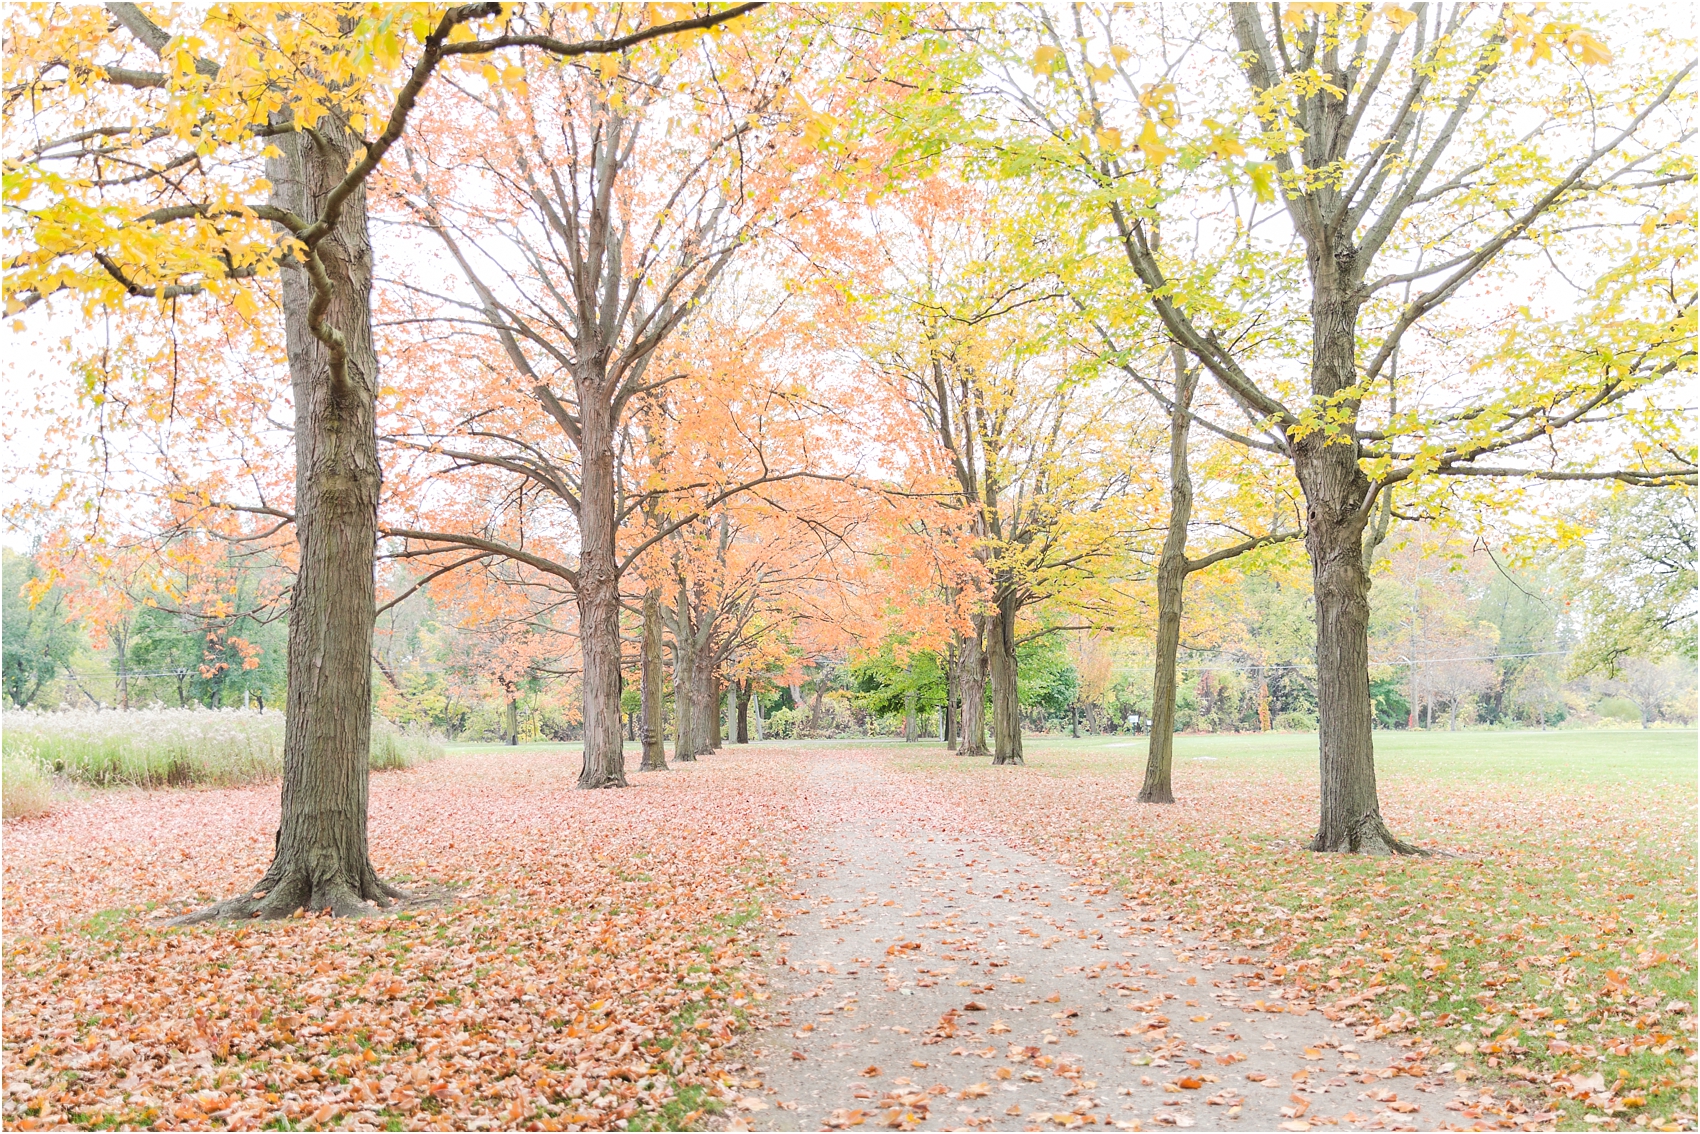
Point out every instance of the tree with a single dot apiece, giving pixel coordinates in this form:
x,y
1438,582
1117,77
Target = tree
x,y
604,218
1638,580
1394,159
971,338
40,638
242,155
1173,563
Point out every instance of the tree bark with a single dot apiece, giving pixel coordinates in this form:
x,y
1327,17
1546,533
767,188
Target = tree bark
x,y
716,701
654,750
599,583
703,707
745,689
684,709
973,683
1336,500
1006,700
910,731
1171,591
321,861
511,724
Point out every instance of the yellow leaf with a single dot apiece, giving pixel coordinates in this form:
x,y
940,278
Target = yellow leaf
x,y
608,66
1044,58
1110,138
1102,73
1399,17
1156,153
1120,54
243,301
1588,49
1226,145
1649,225
1262,176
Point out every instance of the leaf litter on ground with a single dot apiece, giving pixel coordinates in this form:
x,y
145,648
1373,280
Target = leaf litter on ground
x,y
597,958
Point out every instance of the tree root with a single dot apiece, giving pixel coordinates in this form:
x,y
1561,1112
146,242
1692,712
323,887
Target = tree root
x,y
339,897
1367,834
1163,794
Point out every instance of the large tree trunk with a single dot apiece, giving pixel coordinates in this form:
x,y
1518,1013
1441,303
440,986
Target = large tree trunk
x,y
654,750
1006,699
684,714
321,860
1336,494
511,724
599,587
972,680
702,702
910,731
745,689
1171,591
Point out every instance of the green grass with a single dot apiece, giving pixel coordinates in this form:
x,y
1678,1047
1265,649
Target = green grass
x,y
1643,756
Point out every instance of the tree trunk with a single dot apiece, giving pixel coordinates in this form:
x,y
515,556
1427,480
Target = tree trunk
x,y
702,703
599,584
684,709
911,732
745,689
972,679
716,700
511,727
1336,498
122,641
654,751
1171,593
321,861
1006,700
947,712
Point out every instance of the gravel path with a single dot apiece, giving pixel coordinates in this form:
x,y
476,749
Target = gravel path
x,y
934,975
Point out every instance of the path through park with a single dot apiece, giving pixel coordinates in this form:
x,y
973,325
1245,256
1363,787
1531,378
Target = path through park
x,y
938,975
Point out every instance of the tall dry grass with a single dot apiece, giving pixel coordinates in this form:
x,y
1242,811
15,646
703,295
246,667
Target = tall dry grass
x,y
160,747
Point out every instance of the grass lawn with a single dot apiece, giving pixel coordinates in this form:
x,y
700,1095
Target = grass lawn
x,y
1640,756
1550,946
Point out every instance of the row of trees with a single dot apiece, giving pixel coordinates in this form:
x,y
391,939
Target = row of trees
x,y
756,331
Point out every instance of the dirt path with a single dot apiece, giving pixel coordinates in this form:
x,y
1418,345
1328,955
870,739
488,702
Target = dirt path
x,y
939,976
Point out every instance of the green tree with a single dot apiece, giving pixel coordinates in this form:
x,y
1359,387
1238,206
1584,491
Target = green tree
x,y
39,638
1639,580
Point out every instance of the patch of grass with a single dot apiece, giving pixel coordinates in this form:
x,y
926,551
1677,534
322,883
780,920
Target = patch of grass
x,y
1555,939
1643,756
25,789
161,747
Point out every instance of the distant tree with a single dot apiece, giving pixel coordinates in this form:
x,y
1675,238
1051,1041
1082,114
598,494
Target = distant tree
x,y
1639,595
39,639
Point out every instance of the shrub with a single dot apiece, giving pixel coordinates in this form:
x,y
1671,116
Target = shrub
x,y
1619,709
1296,720
24,788
782,725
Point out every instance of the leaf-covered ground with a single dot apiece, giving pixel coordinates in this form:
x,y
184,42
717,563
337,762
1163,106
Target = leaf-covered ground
x,y
596,965
1553,945
604,951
